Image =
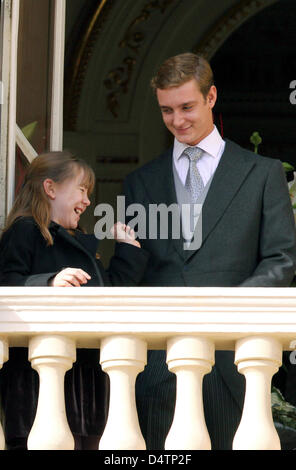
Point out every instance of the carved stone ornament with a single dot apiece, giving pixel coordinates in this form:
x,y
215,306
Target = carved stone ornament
x,y
228,23
117,81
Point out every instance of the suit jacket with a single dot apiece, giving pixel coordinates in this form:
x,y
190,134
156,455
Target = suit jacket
x,y
248,228
248,239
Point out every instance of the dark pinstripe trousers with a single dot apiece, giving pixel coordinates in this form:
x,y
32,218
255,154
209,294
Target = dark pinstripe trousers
x,y
156,394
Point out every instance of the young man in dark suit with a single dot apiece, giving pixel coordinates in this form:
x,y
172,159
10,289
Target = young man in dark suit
x,y
247,235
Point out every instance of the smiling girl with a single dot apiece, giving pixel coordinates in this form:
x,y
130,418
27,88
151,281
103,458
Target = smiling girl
x,y
42,245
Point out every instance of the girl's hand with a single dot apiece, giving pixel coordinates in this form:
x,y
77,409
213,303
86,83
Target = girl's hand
x,y
124,233
70,277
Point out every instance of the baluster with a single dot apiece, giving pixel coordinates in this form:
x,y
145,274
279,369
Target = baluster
x,y
3,358
122,358
258,359
51,356
190,359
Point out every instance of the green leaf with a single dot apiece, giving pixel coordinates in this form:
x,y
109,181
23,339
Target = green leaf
x,y
256,140
282,411
29,129
288,167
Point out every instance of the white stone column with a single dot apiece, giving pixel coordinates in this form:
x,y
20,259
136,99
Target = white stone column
x,y
122,358
258,359
51,356
3,358
190,358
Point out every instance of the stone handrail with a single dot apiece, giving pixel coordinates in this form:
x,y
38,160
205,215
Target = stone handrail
x,y
190,323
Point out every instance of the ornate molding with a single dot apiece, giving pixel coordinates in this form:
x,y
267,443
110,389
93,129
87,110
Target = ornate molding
x,y
229,23
117,81
77,71
119,78
133,38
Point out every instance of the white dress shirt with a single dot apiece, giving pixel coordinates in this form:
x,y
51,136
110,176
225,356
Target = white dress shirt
x,y
213,146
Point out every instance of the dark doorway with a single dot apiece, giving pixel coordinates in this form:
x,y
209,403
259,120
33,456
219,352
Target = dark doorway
x,y
253,72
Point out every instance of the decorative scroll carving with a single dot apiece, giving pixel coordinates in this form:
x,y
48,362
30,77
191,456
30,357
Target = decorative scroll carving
x,y
229,23
133,38
75,75
118,79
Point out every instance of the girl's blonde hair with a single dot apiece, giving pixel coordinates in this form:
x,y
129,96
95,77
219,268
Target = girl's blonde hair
x,y
32,200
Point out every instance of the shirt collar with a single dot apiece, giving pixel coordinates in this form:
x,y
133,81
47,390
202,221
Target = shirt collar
x,y
211,144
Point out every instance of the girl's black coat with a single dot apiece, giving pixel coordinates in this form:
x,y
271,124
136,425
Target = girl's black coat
x,y
26,260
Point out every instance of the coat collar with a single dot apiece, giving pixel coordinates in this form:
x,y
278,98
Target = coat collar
x,y
160,185
158,180
230,174
84,242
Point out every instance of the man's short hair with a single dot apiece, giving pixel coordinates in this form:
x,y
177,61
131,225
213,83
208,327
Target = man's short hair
x,y
181,68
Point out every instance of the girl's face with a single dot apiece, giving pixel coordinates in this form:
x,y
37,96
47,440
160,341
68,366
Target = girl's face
x,y
68,200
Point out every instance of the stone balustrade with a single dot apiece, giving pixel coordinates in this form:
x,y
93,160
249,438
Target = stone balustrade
x,y
190,323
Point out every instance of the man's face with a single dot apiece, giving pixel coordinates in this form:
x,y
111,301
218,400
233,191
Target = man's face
x,y
186,113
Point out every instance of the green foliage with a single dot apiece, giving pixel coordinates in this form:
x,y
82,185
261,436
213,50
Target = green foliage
x,y
29,130
288,167
282,411
256,140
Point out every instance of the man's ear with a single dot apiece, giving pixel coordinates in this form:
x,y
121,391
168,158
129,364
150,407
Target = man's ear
x,y
49,188
212,96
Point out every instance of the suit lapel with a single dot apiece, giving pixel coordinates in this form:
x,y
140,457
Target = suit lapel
x,y
159,182
231,172
160,186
